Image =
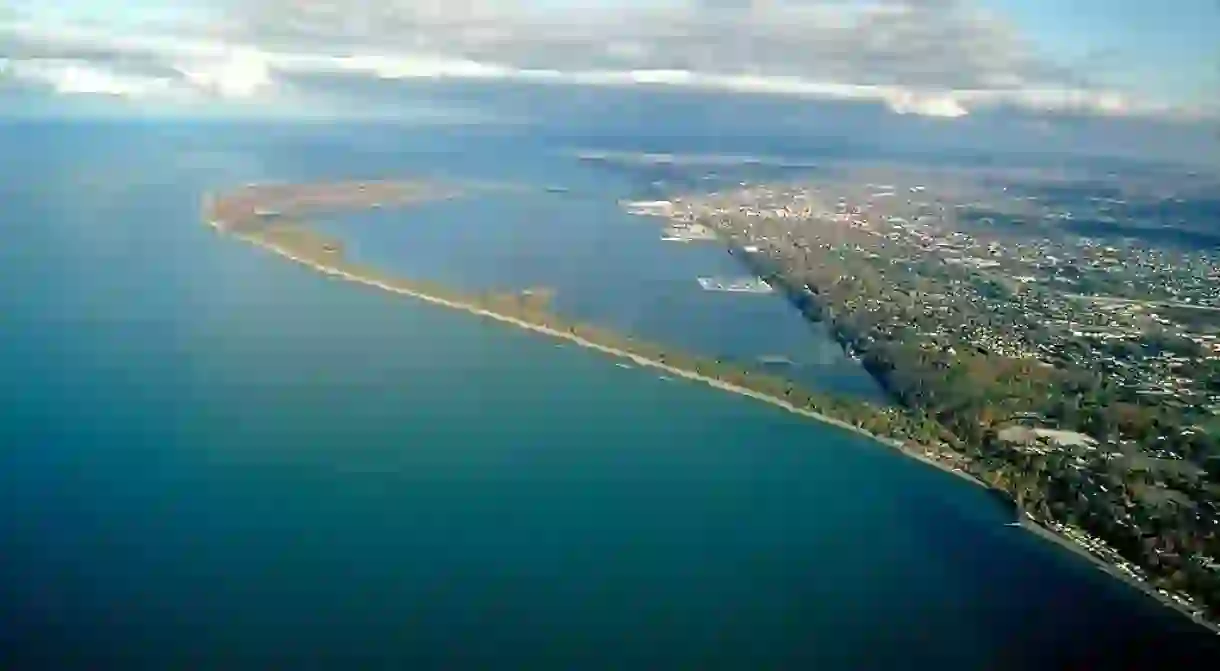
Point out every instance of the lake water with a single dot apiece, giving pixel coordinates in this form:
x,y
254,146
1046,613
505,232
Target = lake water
x,y
211,457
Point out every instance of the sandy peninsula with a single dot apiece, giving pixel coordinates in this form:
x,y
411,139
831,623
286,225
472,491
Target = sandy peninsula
x,y
256,215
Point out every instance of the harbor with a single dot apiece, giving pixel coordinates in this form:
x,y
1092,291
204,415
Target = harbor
x,y
679,232
648,208
745,285
678,228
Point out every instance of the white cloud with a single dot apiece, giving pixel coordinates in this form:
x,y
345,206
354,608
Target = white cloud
x,y
937,58
398,67
940,106
901,100
242,74
80,77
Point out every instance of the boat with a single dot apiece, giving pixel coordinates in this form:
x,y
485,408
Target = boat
x,y
623,365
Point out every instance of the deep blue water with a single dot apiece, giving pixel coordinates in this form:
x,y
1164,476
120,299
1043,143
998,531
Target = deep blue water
x,y
209,457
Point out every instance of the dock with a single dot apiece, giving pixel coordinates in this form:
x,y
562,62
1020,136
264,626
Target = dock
x,y
648,208
746,285
679,232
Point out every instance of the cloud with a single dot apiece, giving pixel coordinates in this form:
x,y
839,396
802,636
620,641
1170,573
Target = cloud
x,y
242,73
915,43
940,106
942,58
89,61
83,77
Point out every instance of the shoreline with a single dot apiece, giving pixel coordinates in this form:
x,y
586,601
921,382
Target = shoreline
x,y
1035,527
637,359
1049,535
640,360
1023,521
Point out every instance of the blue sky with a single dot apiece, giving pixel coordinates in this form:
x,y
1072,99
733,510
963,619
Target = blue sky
x,y
1170,48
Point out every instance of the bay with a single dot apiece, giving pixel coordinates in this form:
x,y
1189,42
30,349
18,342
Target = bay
x,y
210,457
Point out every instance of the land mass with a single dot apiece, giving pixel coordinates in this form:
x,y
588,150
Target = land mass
x,y
1099,421
254,205
264,217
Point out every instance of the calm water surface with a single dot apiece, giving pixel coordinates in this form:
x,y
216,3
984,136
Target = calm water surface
x,y
211,457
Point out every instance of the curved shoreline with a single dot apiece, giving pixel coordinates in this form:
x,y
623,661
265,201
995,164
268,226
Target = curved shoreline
x,y
637,359
1051,536
1029,525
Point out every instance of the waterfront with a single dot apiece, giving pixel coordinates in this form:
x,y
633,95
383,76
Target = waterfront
x,y
300,246
607,268
221,460
746,285
326,258
858,309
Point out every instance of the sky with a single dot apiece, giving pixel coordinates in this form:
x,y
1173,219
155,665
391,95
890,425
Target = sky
x,y
937,58
1169,50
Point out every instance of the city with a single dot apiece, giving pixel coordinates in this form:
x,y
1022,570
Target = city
x,y
1077,373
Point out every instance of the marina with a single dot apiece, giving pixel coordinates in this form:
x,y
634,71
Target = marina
x,y
648,208
679,232
745,285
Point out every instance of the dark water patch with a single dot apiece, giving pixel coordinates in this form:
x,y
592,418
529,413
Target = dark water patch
x,y
1163,235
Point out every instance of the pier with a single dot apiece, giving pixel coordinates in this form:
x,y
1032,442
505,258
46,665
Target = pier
x,y
648,208
745,285
679,232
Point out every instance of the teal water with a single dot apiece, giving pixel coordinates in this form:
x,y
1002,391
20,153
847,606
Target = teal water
x,y
213,458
